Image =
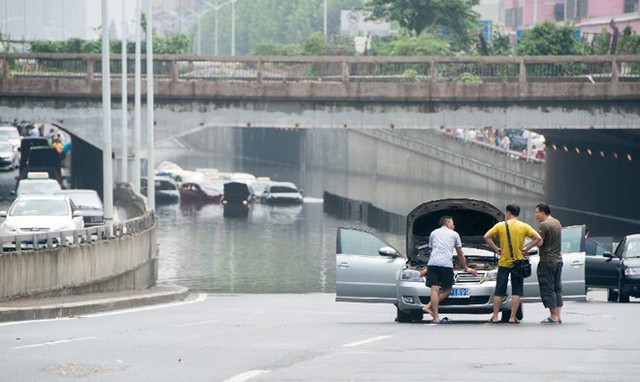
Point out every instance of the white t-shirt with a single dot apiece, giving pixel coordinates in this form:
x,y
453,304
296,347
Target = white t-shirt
x,y
443,243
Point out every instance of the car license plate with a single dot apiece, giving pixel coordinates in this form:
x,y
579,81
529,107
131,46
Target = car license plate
x,y
459,293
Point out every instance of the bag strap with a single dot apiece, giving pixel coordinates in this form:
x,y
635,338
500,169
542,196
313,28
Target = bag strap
x,y
509,238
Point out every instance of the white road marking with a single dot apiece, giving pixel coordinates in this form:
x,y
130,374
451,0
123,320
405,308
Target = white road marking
x,y
51,343
201,297
38,321
195,324
246,376
363,342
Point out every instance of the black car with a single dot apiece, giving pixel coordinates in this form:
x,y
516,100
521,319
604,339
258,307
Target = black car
x,y
619,272
236,198
87,201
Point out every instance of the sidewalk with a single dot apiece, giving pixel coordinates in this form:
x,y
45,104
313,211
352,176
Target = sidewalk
x,y
68,306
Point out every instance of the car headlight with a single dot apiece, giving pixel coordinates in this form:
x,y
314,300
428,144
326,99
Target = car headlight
x,y
7,228
412,275
490,276
632,271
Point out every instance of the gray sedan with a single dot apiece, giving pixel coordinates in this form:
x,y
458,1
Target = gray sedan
x,y
370,270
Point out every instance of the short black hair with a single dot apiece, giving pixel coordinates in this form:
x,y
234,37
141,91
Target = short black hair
x,y
514,209
443,220
544,208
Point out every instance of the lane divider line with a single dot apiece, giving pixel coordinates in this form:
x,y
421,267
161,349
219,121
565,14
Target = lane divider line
x,y
51,343
364,342
201,297
194,324
246,376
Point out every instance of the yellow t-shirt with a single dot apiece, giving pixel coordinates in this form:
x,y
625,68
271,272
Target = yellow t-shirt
x,y
518,231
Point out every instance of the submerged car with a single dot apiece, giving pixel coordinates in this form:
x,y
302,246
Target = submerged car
x,y
619,272
201,192
370,270
166,189
236,199
282,193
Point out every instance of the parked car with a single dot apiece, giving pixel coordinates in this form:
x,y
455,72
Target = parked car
x,y
236,199
87,201
30,214
9,156
619,272
370,270
259,187
282,193
166,189
37,183
11,134
201,192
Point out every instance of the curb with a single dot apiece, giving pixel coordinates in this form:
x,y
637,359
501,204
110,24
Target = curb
x,y
86,304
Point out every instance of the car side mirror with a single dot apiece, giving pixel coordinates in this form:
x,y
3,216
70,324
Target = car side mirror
x,y
3,214
608,255
12,193
77,214
388,251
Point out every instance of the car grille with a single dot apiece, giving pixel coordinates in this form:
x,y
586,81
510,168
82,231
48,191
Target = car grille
x,y
475,300
465,277
33,229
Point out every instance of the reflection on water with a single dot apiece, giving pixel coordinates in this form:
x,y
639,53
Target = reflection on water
x,y
273,250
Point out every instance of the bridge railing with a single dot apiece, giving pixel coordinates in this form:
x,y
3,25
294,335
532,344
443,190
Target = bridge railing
x,y
339,69
53,239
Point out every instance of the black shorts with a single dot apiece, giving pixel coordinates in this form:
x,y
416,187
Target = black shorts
x,y
442,276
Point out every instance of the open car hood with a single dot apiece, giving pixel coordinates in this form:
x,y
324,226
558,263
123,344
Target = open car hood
x,y
472,218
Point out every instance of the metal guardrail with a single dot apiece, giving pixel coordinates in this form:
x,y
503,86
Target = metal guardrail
x,y
57,239
344,69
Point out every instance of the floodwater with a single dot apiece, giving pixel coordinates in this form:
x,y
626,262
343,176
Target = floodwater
x,y
275,249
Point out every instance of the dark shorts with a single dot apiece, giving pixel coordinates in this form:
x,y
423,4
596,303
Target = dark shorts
x,y
442,276
550,281
517,283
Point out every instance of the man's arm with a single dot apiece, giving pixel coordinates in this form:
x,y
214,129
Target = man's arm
x,y
463,261
488,238
536,240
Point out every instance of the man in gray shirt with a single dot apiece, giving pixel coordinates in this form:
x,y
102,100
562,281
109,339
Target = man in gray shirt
x,y
550,267
443,242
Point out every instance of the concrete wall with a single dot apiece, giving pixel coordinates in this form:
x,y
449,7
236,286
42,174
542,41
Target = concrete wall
x,y
396,172
128,262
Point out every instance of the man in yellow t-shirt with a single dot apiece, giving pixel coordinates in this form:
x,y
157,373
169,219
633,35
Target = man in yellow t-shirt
x,y
518,231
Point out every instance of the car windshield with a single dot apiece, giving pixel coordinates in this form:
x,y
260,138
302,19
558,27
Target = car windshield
x,y
283,190
633,249
32,186
6,146
165,185
54,207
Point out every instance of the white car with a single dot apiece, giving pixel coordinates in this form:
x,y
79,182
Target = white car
x,y
10,134
9,157
369,270
34,214
282,193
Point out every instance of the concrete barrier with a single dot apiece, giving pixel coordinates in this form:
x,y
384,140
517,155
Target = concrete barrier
x,y
128,261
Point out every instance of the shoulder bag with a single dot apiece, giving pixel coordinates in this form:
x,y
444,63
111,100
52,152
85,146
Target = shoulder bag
x,y
520,267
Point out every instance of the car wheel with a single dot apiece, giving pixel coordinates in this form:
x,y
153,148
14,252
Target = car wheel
x,y
612,295
623,297
404,317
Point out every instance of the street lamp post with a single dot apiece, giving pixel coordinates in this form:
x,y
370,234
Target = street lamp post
x,y
233,27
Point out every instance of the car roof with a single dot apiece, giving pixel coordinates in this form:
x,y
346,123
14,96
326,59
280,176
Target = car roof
x,y
42,197
77,191
287,184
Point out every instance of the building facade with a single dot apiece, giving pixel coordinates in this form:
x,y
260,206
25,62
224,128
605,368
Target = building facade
x,y
588,16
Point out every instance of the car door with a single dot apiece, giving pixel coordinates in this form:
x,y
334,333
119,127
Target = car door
x,y
573,269
602,271
363,272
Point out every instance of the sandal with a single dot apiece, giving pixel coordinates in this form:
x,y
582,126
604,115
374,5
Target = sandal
x,y
514,322
491,321
550,320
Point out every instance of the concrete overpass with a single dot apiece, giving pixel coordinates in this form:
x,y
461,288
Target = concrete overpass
x,y
583,103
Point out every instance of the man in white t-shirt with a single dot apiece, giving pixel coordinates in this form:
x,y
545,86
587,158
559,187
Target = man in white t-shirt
x,y
444,242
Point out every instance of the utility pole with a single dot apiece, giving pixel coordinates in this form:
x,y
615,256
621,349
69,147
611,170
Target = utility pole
x,y
107,170
151,182
123,145
137,100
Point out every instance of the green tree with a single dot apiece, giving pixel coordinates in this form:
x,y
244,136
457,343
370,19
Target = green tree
x,y
453,19
425,44
548,39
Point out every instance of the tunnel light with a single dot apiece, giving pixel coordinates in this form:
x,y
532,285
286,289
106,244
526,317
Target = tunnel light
x,y
577,151
566,149
615,155
554,147
589,152
602,153
629,157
